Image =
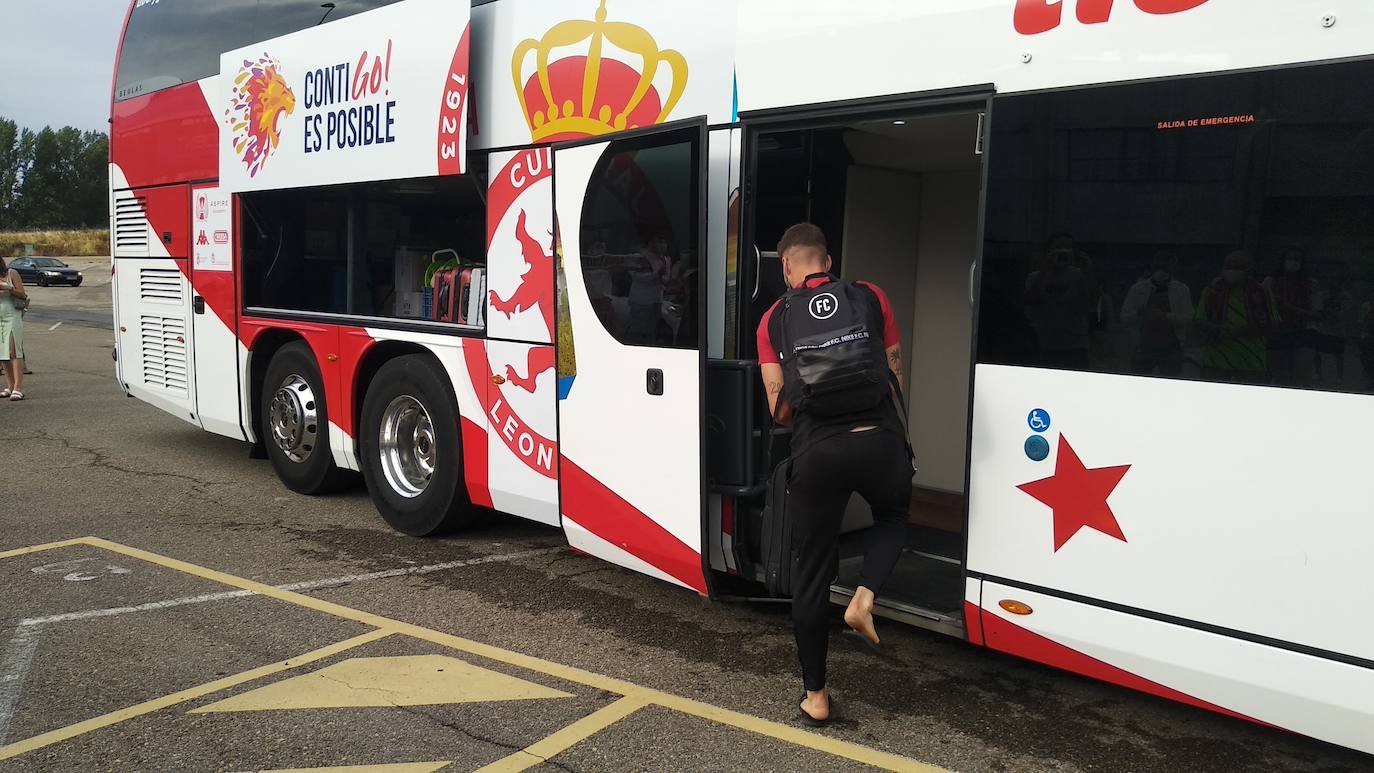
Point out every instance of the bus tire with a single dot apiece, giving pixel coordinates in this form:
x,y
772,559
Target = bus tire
x,y
411,449
295,422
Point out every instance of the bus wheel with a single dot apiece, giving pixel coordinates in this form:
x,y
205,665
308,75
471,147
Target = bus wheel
x,y
295,423
411,452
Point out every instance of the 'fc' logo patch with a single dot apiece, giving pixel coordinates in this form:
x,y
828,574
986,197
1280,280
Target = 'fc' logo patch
x,y
824,306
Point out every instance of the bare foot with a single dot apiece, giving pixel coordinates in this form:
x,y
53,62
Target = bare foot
x,y
817,705
859,614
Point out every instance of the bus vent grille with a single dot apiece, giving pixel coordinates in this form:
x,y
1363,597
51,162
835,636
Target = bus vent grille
x,y
160,285
130,225
164,352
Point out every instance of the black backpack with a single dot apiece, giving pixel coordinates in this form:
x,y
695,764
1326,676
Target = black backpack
x,y
830,341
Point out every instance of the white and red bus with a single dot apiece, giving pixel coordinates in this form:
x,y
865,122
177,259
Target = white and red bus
x,y
1130,244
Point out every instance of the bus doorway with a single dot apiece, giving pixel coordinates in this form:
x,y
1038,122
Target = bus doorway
x,y
899,199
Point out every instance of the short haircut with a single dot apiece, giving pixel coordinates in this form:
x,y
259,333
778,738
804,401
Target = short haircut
x,y
802,235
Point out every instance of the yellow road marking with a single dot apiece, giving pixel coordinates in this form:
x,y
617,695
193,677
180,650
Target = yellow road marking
x,y
157,704
66,543
407,680
776,730
403,767
568,737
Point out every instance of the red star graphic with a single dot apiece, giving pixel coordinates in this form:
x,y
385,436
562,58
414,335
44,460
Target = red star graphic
x,y
1078,496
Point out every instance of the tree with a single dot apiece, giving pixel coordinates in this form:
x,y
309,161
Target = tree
x,y
52,178
9,171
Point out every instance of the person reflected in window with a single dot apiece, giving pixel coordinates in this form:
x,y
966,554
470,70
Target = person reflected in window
x,y
649,276
1337,322
1059,300
1236,316
1159,307
1299,303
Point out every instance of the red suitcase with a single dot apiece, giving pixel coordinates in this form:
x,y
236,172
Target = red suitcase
x,y
458,295
446,294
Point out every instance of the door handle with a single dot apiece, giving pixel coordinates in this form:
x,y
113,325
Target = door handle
x,y
653,381
198,305
972,271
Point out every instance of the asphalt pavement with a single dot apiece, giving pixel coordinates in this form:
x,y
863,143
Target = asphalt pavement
x,y
205,618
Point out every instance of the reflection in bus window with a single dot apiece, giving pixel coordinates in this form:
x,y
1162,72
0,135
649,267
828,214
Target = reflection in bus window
x,y
1214,228
639,240
171,42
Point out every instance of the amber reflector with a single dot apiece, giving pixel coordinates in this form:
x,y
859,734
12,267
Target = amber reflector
x,y
1015,607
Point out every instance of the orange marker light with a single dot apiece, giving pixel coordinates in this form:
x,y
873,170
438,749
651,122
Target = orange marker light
x,y
1015,607
498,380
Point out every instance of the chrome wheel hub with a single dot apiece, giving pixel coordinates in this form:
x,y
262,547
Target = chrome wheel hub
x,y
294,418
407,446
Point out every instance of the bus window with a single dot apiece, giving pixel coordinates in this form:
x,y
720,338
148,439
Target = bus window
x,y
1212,228
639,240
282,17
171,42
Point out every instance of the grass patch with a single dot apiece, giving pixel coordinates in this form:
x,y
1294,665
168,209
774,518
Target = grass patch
x,y
94,242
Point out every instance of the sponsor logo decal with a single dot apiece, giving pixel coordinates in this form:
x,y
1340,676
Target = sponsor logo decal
x,y
260,101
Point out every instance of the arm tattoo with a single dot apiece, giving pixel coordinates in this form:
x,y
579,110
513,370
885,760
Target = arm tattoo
x,y
894,359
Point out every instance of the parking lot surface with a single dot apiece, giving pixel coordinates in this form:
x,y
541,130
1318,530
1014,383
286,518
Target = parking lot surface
x,y
168,605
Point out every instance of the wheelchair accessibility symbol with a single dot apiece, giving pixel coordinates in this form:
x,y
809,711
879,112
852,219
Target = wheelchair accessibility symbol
x,y
1039,420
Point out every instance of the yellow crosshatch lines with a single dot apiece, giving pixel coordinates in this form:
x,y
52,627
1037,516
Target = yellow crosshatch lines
x,y
561,741
409,680
157,704
400,767
633,697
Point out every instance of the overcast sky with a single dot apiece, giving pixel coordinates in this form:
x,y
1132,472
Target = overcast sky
x,y
57,60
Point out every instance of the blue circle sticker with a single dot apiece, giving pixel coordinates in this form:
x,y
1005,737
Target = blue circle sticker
x,y
1038,420
1037,448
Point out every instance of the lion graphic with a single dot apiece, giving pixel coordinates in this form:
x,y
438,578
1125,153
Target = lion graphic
x,y
261,100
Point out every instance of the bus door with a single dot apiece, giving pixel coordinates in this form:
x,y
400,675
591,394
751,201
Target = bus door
x,y
630,349
214,316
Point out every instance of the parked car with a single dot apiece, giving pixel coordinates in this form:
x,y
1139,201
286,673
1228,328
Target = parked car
x,y
46,271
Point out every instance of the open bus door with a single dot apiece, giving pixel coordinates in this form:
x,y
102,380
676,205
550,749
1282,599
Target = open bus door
x,y
630,348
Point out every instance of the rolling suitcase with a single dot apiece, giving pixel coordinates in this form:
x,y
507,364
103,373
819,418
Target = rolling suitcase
x,y
776,539
472,296
446,295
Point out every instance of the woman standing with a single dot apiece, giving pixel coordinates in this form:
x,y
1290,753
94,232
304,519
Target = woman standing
x,y
13,299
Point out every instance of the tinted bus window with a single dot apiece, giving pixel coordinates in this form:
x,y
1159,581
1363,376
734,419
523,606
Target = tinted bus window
x,y
640,222
1210,228
170,42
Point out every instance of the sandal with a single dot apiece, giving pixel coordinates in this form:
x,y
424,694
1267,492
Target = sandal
x,y
16,395
4,394
811,721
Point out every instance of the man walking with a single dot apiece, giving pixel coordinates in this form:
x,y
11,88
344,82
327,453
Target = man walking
x,y
831,361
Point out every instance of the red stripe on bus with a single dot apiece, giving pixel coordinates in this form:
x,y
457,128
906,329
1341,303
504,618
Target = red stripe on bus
x,y
601,511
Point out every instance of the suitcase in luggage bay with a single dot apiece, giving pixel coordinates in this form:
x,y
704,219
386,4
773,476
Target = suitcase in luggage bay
x,y
472,297
458,295
446,295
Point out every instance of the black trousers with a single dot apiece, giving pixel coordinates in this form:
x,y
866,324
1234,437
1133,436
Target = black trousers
x,y
825,475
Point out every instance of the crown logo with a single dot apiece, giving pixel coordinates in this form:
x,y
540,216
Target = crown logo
x,y
595,77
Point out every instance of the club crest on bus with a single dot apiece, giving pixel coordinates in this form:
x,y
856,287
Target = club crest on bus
x,y
592,93
260,101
